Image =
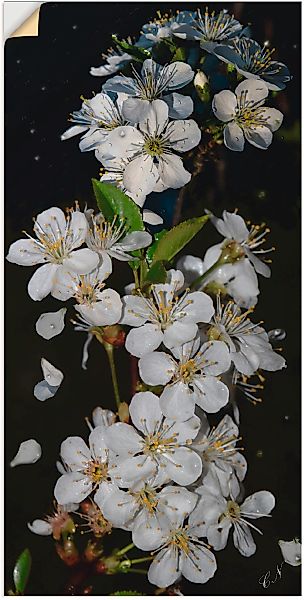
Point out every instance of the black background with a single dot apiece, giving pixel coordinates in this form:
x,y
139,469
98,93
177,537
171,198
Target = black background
x,y
44,78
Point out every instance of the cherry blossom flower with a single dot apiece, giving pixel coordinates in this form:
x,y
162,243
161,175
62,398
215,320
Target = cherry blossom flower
x,y
153,163
154,81
110,239
164,317
114,61
253,61
245,117
233,228
96,118
219,514
86,467
221,460
191,376
212,29
97,305
180,551
237,279
144,503
57,239
164,27
155,447
247,342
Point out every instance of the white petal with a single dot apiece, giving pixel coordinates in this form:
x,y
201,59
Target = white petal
x,y
183,465
43,391
156,368
105,266
259,136
178,333
258,504
243,539
25,252
184,135
211,394
199,565
140,175
259,266
185,431
147,533
51,324
274,118
103,416
291,552
145,412
133,470
224,105
119,507
218,534
177,402
180,107
198,307
180,74
124,141
246,361
177,499
135,311
41,283
164,569
253,90
52,222
106,311
191,266
135,240
71,131
151,217
234,137
98,444
135,110
78,228
72,487
40,527
52,375
217,357
123,439
75,453
28,453
172,172
81,261
156,118
144,339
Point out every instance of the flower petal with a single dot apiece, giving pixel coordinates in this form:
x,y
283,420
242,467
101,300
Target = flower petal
x,y
119,507
51,324
144,339
135,311
224,105
147,534
177,402
135,240
183,135
243,539
258,504
145,412
274,118
75,453
218,533
180,74
172,172
98,444
199,565
133,470
43,391
40,527
216,358
234,137
81,261
179,333
106,311
291,552
156,368
164,569
72,487
25,253
180,107
210,393
52,375
198,307
259,136
253,90
123,439
183,465
155,119
28,453
135,110
41,283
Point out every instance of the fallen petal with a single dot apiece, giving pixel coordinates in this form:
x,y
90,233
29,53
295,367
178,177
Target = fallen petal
x,y
51,324
29,452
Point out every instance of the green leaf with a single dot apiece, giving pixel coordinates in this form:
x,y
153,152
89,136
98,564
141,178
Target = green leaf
x,y
177,238
156,274
152,248
180,54
22,570
139,54
111,201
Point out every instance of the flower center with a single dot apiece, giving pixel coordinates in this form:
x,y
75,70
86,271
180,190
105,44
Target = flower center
x,y
157,443
96,471
154,146
187,370
180,540
104,234
233,511
147,499
87,290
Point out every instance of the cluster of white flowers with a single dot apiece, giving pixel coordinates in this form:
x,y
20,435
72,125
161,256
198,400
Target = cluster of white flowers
x,y
164,474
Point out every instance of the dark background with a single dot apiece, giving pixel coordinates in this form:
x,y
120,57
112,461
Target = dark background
x,y
44,78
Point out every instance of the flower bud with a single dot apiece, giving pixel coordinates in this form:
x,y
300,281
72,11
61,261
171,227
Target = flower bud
x,y
200,79
202,87
123,412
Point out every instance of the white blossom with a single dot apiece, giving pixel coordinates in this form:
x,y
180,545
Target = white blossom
x,y
245,115
96,118
211,29
189,378
57,239
164,317
51,324
86,467
97,305
28,453
233,227
221,459
180,551
248,343
114,61
151,150
154,82
155,447
218,515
